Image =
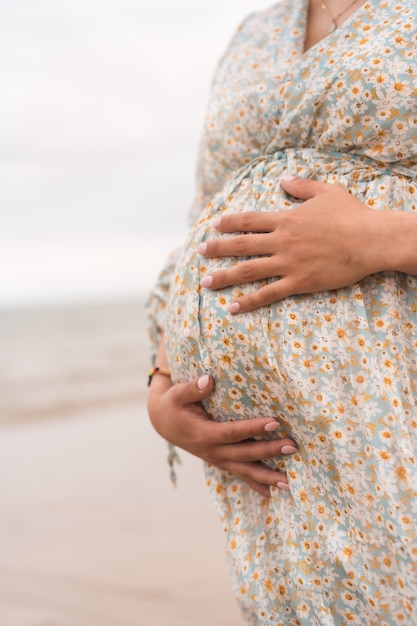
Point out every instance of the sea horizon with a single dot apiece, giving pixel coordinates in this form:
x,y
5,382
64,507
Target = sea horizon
x,y
65,358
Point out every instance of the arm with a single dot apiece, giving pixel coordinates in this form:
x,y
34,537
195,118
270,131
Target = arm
x,y
330,241
177,415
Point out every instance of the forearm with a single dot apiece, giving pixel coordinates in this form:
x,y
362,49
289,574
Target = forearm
x,y
161,359
159,384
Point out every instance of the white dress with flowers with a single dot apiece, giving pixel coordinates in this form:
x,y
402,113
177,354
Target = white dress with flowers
x,y
338,369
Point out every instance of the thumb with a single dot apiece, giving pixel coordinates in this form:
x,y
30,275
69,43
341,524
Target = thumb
x,y
303,188
196,390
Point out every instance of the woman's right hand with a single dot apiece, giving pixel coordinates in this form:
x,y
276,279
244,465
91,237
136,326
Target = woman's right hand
x,y
178,416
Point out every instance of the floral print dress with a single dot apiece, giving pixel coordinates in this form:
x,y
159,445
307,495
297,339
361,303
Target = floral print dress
x,y
337,369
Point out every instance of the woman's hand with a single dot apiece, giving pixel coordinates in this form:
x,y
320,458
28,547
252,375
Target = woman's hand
x,y
330,241
178,416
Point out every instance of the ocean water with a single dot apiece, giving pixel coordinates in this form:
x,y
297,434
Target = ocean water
x,y
92,531
62,361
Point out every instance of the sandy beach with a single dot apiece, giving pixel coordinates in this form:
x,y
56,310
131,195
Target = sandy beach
x,y
92,533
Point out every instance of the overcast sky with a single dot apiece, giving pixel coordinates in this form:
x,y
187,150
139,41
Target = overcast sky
x,y
100,115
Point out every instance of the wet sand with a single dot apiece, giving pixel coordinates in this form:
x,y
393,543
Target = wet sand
x,y
92,533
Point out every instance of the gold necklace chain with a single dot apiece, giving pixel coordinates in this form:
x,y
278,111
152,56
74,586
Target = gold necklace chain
x,y
334,18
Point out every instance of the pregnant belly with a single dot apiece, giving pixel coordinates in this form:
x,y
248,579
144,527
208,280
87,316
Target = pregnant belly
x,y
313,362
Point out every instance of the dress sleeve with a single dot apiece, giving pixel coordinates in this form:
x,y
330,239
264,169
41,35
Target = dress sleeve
x,y
211,174
157,303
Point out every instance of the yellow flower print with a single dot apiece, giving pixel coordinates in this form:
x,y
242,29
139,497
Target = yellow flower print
x,y
337,369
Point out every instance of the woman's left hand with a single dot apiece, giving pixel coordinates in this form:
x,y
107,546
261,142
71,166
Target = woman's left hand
x,y
331,240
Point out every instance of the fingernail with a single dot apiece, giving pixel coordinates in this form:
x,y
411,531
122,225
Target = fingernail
x,y
207,281
283,486
288,449
203,381
216,222
202,248
286,178
234,307
272,426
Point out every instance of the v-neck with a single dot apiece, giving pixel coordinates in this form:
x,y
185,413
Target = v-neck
x,y
303,7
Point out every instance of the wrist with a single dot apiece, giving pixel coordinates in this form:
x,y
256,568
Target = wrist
x,y
397,242
159,385
156,403
161,371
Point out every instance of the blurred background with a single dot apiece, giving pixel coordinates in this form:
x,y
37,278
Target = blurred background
x,y
100,116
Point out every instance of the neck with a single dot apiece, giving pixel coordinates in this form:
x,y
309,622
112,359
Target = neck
x,y
319,22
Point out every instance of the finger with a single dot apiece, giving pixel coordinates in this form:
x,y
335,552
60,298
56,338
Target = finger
x,y
249,222
272,292
255,450
303,188
240,245
247,429
258,476
193,391
265,476
263,490
242,274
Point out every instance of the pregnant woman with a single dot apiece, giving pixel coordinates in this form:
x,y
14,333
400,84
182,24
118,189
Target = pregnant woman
x,y
296,293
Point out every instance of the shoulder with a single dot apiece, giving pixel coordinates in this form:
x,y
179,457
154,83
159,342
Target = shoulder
x,y
258,25
258,33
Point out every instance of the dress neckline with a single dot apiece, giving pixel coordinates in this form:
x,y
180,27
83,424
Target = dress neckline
x,y
335,33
